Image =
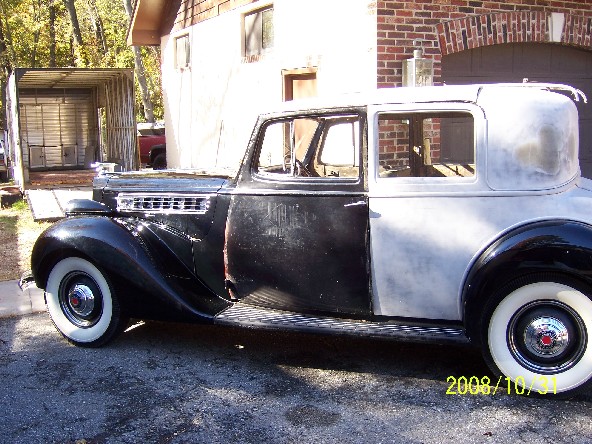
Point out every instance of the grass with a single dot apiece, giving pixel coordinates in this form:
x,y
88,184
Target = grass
x,y
18,232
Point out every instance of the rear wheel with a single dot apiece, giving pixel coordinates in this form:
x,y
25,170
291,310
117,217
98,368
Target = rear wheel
x,y
159,162
537,334
81,303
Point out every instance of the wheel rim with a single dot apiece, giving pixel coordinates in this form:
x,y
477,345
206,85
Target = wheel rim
x,y
80,299
547,337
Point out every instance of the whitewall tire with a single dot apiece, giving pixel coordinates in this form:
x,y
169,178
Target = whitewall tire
x,y
81,303
539,335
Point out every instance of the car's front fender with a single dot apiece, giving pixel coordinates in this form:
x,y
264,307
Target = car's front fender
x,y
128,260
550,246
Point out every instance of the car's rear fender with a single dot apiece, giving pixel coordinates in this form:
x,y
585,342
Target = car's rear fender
x,y
561,247
129,257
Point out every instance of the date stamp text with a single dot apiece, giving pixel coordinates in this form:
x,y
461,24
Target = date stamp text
x,y
474,385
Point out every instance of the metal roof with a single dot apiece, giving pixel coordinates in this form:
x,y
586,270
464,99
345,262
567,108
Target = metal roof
x,y
68,77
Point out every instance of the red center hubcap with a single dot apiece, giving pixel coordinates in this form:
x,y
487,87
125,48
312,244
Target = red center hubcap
x,y
546,340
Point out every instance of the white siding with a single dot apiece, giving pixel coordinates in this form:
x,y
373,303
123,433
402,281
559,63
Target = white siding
x,y
210,107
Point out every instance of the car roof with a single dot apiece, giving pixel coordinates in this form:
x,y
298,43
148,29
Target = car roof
x,y
402,95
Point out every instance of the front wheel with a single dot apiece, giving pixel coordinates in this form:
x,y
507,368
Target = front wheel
x,y
81,303
537,333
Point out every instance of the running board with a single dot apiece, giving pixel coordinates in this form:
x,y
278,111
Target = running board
x,y
242,315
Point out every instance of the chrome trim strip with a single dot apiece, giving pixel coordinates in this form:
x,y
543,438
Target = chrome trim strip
x,y
163,203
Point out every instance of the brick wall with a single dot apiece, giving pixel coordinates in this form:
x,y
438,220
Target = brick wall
x,y
449,26
191,12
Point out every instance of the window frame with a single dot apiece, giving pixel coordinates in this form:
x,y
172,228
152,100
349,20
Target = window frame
x,y
260,50
417,155
389,186
186,64
291,180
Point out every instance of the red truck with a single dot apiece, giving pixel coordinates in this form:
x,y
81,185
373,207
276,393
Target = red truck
x,y
152,144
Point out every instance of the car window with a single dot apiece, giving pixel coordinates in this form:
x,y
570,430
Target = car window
x,y
426,144
310,147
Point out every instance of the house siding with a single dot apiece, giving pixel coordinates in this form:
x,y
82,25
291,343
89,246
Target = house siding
x,y
211,106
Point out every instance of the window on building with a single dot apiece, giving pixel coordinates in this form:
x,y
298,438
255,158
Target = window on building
x,y
182,52
426,145
258,26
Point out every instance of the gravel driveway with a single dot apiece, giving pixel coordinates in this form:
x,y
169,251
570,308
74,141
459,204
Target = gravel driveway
x,y
185,384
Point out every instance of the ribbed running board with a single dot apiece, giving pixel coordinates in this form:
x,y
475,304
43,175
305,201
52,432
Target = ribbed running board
x,y
253,317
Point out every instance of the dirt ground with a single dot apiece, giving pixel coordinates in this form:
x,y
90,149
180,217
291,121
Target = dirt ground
x,y
18,230
18,233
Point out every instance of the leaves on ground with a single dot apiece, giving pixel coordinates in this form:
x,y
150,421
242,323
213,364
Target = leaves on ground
x,y
18,232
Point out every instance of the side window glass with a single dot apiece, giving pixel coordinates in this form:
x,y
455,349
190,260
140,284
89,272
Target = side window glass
x,y
339,153
310,147
426,145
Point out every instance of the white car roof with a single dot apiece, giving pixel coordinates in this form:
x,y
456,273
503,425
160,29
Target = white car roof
x,y
426,94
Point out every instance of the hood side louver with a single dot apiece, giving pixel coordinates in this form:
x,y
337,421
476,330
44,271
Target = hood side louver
x,y
163,203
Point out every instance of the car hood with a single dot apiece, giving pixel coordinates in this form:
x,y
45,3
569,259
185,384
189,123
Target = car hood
x,y
173,181
184,200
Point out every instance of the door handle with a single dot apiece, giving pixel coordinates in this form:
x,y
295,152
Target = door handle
x,y
356,204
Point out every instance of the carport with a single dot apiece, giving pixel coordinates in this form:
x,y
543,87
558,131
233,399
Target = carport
x,y
66,118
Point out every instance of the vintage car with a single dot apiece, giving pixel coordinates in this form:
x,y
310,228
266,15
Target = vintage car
x,y
443,214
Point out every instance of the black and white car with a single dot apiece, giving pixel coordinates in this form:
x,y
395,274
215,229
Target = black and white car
x,y
445,214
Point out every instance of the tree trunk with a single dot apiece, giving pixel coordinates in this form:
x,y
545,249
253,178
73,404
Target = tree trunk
x,y
36,33
52,35
71,8
140,72
6,70
97,24
79,49
7,50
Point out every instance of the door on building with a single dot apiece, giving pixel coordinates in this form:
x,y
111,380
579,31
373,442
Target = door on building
x,y
299,83
537,62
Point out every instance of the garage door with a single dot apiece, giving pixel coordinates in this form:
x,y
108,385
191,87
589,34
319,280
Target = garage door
x,y
56,127
538,62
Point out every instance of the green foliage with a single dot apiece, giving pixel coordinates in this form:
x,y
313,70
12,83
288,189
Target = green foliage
x,y
20,205
25,26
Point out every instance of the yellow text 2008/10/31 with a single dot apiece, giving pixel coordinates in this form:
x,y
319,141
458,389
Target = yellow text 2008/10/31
x,y
473,385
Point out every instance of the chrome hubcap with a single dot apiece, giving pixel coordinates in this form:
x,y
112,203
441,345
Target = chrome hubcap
x,y
546,336
82,300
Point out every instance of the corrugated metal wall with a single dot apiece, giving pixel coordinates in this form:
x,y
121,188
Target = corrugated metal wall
x,y
120,123
58,128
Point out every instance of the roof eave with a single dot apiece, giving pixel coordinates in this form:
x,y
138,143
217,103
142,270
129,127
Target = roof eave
x,y
146,24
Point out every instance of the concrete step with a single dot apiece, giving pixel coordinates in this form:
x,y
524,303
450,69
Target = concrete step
x,y
48,205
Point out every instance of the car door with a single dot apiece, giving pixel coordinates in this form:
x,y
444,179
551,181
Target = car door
x,y
427,214
297,231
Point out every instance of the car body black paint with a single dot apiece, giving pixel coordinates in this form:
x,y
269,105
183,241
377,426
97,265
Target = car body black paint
x,y
130,259
557,246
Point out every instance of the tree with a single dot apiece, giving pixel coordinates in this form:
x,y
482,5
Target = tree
x,y
71,8
140,71
78,33
78,47
52,34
